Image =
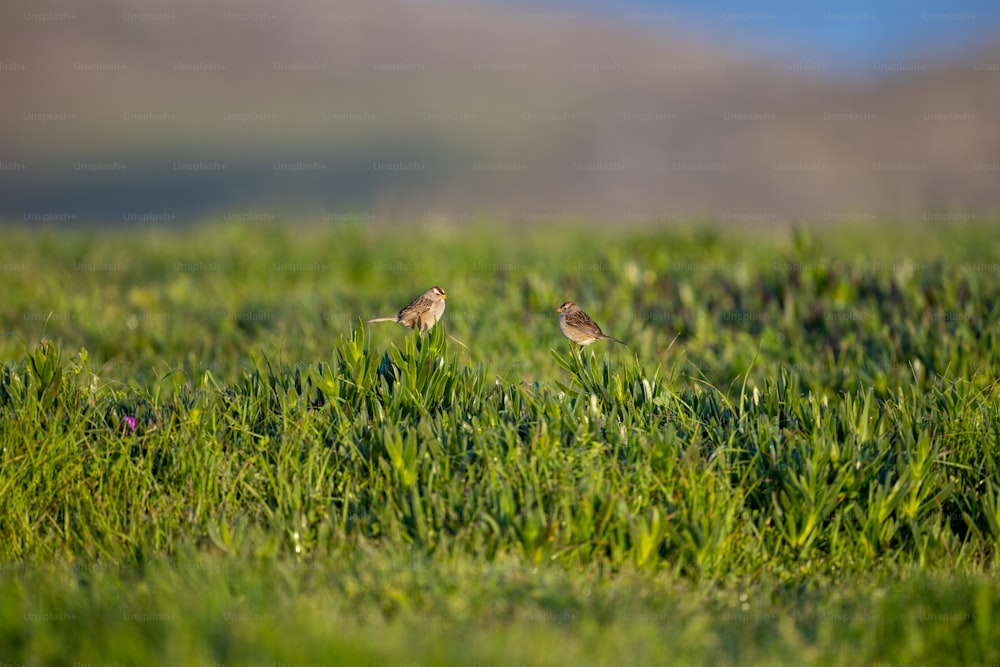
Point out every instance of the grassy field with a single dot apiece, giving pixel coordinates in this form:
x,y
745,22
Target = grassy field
x,y
207,458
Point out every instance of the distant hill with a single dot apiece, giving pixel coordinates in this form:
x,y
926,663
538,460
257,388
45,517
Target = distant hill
x,y
127,112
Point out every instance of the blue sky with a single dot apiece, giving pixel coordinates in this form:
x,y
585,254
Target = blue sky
x,y
847,35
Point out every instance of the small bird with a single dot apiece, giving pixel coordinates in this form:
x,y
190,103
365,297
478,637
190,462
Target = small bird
x,y
578,327
422,314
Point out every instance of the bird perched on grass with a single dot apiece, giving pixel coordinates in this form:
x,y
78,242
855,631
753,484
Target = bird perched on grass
x,y
422,314
579,328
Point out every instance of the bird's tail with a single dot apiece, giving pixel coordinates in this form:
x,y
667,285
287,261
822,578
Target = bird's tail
x,y
392,318
614,339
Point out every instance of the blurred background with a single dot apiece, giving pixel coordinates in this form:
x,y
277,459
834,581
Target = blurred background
x,y
140,113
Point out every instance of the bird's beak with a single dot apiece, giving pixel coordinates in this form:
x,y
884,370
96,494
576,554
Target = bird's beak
x,y
444,296
559,309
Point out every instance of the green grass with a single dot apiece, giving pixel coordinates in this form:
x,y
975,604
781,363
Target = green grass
x,y
795,460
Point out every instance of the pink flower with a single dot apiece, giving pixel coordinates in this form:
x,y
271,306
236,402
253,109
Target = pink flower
x,y
128,425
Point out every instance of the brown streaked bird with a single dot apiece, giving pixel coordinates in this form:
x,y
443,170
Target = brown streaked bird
x,y
579,328
422,314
